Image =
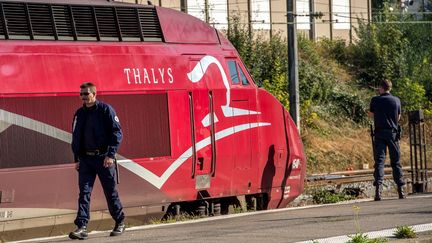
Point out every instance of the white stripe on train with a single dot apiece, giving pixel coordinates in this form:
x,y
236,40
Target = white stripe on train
x,y
198,73
160,181
51,131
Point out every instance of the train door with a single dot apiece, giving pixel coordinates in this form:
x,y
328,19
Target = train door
x,y
241,97
202,128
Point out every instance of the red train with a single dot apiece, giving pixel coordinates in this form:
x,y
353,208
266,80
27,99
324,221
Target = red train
x,y
198,132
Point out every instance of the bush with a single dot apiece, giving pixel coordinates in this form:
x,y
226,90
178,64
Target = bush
x,y
358,238
315,81
323,196
278,86
412,94
363,238
352,105
334,49
404,232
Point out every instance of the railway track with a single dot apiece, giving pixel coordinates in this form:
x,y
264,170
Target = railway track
x,y
354,176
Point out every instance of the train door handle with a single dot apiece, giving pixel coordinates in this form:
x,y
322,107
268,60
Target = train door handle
x,y
201,163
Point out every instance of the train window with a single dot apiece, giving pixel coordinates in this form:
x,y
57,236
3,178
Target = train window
x,y
243,77
233,72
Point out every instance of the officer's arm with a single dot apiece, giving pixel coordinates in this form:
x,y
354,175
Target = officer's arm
x,y
371,114
116,133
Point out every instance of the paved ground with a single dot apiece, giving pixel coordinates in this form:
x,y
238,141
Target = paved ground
x,y
288,225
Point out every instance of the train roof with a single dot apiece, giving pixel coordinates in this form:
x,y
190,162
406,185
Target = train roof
x,y
101,20
80,2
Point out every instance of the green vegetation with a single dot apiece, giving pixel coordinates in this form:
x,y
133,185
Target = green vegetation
x,y
322,196
364,238
337,80
397,47
404,232
238,209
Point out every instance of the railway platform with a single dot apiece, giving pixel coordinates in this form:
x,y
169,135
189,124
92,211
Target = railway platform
x,y
319,223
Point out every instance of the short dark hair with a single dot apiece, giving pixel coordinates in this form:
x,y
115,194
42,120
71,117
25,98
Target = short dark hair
x,y
386,85
89,85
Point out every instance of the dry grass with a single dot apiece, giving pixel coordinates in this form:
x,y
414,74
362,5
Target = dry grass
x,y
338,147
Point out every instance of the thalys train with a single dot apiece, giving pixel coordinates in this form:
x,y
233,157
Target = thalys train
x,y
199,134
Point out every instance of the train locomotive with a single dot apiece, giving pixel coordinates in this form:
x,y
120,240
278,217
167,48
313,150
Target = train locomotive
x,y
199,134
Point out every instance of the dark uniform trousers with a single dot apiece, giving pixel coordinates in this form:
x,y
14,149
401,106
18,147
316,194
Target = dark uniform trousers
x,y
89,167
384,139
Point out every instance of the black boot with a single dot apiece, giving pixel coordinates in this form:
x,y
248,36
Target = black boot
x,y
378,191
79,234
118,229
401,192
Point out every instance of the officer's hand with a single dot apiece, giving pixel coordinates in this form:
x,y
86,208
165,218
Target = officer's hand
x,y
108,162
77,166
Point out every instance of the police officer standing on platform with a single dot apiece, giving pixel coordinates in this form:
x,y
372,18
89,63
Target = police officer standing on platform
x,y
96,137
385,110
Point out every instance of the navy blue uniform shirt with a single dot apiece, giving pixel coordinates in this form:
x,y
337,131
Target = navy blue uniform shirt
x,y
97,127
386,109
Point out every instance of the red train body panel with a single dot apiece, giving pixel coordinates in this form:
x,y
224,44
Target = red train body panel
x,y
195,125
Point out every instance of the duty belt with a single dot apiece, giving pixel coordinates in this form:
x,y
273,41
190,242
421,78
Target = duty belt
x,y
94,152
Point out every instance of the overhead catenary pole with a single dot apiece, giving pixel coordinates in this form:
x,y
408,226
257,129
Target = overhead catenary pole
x,y
312,20
206,11
249,12
293,83
331,18
183,6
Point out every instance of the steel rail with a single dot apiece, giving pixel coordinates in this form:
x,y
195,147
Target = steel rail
x,y
355,176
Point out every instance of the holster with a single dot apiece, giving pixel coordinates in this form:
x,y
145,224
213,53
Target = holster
x,y
117,171
398,133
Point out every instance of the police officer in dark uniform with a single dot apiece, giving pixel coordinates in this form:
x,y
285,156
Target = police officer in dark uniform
x,y
385,109
96,137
